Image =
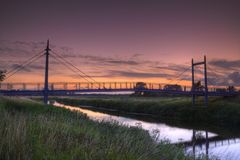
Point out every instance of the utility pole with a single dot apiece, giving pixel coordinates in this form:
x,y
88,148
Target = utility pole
x,y
46,74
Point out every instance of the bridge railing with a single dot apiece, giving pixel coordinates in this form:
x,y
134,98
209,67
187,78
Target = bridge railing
x,y
86,85
74,86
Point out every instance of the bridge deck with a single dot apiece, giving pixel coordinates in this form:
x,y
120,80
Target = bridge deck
x,y
75,92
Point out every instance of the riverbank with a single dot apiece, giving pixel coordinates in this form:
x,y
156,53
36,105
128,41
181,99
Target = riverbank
x,y
221,112
32,130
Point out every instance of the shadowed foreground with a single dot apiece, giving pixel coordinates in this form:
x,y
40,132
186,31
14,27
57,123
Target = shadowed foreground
x,y
31,130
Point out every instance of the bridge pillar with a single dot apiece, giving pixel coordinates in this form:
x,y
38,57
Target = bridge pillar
x,y
104,85
38,86
91,85
65,86
110,85
205,82
193,88
99,85
46,74
9,86
24,86
88,86
52,86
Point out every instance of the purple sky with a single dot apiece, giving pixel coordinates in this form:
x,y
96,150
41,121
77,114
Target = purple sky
x,y
121,40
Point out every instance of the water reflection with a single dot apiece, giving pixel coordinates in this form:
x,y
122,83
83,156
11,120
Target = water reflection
x,y
196,142
166,132
214,147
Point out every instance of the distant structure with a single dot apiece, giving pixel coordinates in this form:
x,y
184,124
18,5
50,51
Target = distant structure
x,y
173,87
194,89
140,86
92,86
46,74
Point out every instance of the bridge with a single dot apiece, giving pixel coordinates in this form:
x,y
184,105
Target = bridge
x,y
92,86
77,88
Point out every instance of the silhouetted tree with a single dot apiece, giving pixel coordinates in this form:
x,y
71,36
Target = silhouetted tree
x,y
2,75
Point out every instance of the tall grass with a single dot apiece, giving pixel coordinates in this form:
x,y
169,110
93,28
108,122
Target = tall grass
x,y
31,130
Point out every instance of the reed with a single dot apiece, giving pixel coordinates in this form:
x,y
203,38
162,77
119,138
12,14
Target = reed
x,y
31,130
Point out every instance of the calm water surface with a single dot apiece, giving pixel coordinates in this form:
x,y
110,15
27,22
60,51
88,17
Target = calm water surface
x,y
195,142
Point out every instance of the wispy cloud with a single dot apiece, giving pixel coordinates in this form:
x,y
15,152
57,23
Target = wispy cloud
x,y
226,64
29,68
235,78
224,72
133,74
108,60
12,54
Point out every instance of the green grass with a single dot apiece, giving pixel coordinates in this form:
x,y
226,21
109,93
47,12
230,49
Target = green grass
x,y
31,130
224,112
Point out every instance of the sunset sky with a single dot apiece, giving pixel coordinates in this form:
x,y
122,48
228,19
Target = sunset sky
x,y
125,40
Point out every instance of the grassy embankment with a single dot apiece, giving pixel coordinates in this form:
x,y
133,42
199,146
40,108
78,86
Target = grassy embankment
x,y
221,111
31,130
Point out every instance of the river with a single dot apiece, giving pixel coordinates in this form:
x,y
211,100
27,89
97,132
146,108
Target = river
x,y
196,142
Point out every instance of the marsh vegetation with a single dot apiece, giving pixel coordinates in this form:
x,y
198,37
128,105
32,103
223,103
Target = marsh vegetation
x,y
222,111
31,130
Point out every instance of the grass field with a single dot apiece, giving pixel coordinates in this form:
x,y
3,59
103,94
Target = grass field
x,y
31,130
222,111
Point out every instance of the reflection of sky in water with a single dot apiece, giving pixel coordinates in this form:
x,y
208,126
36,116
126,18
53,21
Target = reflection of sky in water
x,y
226,149
173,134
